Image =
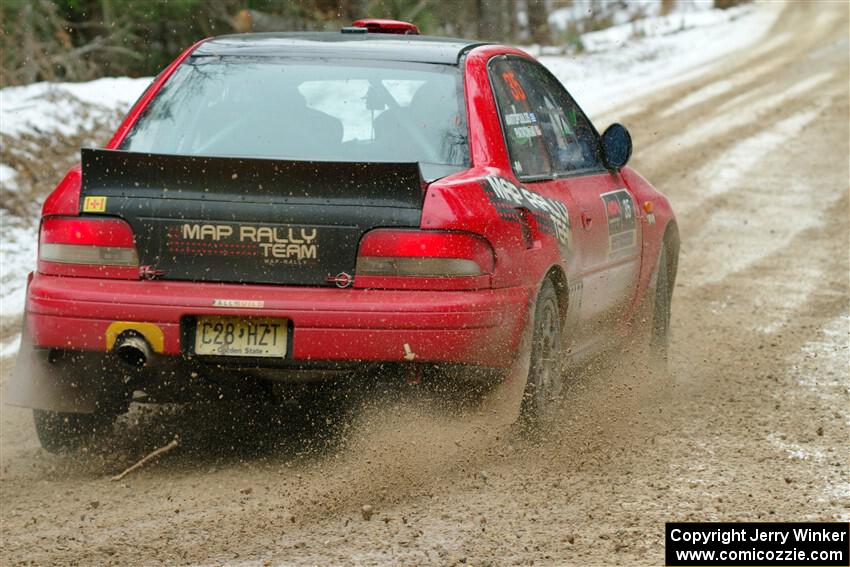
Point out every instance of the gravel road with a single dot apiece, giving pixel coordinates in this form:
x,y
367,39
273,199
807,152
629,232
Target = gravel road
x,y
752,424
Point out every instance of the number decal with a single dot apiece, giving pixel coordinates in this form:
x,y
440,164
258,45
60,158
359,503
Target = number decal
x,y
516,89
622,226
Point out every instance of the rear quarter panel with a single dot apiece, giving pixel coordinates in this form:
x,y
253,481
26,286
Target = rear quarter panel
x,y
461,202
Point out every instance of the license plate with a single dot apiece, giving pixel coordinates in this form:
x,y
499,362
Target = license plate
x,y
237,336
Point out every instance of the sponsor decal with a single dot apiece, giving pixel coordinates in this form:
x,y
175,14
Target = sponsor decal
x,y
273,244
526,132
94,204
551,215
622,234
243,303
523,125
520,118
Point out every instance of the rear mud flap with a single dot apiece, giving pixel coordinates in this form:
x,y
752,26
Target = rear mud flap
x,y
60,386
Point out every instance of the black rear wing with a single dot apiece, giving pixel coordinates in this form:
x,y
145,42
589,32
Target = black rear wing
x,y
250,180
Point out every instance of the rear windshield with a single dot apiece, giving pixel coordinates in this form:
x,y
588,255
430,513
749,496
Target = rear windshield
x,y
311,110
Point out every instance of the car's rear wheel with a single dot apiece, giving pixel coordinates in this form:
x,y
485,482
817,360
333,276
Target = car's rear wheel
x,y
544,384
58,431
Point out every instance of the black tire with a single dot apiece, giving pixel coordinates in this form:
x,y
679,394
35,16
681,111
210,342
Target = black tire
x,y
545,381
67,431
660,333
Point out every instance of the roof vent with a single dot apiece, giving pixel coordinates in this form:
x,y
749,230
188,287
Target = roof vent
x,y
384,26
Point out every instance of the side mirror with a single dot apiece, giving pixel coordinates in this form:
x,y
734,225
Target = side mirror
x,y
616,146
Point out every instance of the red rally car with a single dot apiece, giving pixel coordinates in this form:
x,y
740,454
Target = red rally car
x,y
292,206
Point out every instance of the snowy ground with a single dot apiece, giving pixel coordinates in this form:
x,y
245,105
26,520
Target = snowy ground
x,y
619,63
627,61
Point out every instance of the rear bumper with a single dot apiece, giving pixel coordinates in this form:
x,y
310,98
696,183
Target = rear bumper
x,y
481,327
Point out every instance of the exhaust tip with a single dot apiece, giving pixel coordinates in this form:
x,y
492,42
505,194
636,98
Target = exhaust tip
x,y
133,351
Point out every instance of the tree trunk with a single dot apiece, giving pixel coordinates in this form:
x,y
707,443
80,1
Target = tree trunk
x,y
509,8
30,68
490,20
537,22
355,10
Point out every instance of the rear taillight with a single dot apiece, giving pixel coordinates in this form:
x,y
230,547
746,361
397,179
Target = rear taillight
x,y
428,255
94,247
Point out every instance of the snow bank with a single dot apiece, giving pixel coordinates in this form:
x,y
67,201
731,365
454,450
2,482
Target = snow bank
x,y
658,26
7,177
48,107
18,248
581,14
622,66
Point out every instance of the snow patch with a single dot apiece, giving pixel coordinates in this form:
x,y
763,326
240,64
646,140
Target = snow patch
x,y
609,80
581,14
707,92
821,367
732,119
10,346
18,249
795,450
7,178
614,36
49,107
794,293
739,161
823,364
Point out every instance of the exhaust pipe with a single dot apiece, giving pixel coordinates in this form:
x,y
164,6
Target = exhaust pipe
x,y
133,350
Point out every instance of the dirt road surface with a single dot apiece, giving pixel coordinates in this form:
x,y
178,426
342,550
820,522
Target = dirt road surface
x,y
752,425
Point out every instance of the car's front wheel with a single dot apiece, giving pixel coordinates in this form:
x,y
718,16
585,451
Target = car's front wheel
x,y
545,381
660,332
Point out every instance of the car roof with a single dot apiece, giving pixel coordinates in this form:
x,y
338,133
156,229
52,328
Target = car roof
x,y
387,47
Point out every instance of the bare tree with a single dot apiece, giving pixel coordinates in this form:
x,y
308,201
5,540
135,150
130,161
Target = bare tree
x,y
538,24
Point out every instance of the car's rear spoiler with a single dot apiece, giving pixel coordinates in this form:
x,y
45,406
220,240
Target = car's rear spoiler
x,y
130,174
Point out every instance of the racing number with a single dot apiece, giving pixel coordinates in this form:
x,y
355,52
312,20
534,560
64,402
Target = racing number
x,y
516,89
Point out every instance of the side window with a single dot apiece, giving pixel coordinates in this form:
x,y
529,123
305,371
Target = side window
x,y
548,118
515,98
572,141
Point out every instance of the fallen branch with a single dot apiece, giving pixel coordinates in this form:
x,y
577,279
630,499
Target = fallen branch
x,y
161,451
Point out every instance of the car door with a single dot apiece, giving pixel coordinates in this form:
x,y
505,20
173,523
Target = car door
x,y
608,208
569,169
533,181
